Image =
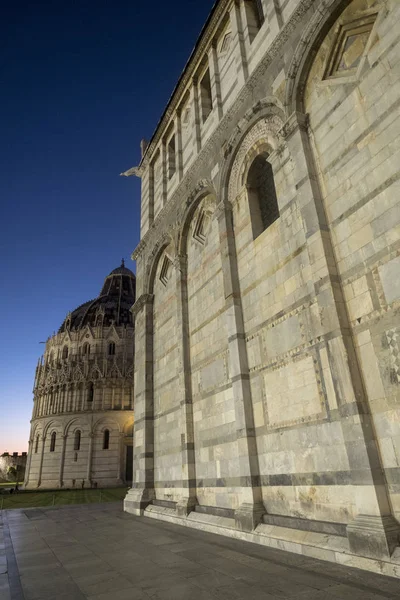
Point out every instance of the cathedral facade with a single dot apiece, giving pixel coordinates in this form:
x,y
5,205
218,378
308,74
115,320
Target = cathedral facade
x,y
267,337
82,420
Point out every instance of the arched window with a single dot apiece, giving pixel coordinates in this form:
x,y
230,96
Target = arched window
x,y
106,439
37,444
263,203
111,349
65,352
53,442
90,392
86,349
77,440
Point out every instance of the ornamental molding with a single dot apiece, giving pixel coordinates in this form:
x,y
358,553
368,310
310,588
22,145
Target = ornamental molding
x,y
214,143
295,85
206,39
264,134
141,302
296,121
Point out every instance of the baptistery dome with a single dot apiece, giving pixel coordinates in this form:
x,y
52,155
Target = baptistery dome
x,y
82,420
112,305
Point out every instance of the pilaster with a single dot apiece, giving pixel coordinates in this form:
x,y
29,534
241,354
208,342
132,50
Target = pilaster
x,y
188,500
373,531
215,81
245,29
251,508
164,177
151,193
273,16
179,144
196,120
238,44
142,492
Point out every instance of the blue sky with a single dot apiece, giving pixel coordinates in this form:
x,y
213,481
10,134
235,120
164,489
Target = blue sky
x,y
82,83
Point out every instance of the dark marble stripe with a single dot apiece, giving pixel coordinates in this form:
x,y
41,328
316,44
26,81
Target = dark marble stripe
x,y
306,524
216,511
352,209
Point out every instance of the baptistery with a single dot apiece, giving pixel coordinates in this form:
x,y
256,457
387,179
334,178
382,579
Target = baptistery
x,y
82,419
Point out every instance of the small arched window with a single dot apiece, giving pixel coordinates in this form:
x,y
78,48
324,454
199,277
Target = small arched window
x,y
106,439
111,349
86,349
263,203
65,352
90,392
53,442
77,440
37,444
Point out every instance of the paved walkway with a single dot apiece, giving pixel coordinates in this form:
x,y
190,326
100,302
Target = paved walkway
x,y
100,553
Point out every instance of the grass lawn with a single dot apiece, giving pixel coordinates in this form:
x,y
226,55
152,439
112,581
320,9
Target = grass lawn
x,y
8,484
59,497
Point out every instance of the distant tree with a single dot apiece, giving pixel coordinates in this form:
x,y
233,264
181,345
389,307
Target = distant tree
x,y
12,473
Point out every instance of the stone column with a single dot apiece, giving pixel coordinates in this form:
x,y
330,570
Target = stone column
x,y
188,500
215,81
39,481
251,509
62,461
142,492
238,45
374,532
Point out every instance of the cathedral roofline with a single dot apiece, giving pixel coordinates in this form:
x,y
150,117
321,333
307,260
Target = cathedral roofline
x,y
204,38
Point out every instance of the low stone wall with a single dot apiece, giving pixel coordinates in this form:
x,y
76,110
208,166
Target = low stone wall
x,y
12,460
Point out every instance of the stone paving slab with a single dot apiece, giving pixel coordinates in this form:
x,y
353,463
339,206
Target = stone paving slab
x,y
102,553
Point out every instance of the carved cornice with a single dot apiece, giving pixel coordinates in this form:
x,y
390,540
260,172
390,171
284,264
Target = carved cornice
x,y
141,302
246,93
204,40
